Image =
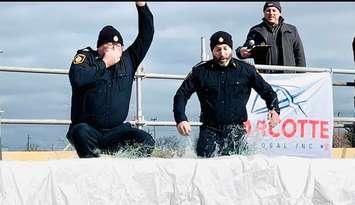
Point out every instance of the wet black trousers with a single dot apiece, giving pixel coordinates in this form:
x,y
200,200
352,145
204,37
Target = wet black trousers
x,y
89,142
221,140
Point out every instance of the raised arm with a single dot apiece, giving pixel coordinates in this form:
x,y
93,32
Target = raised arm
x,y
242,51
141,44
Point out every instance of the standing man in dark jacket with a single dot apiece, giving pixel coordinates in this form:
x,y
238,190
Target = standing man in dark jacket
x,y
223,87
101,84
286,45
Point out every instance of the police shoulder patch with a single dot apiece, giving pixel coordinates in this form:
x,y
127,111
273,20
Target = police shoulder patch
x,y
79,58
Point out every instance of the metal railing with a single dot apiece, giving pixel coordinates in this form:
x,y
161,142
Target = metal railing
x,y
140,75
0,135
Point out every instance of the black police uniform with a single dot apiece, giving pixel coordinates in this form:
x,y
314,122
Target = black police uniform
x,y
101,96
223,93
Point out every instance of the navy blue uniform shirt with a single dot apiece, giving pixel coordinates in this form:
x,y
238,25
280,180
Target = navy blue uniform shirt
x,y
100,95
223,92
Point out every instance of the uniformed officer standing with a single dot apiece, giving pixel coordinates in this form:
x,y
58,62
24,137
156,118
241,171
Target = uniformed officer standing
x,y
101,89
223,87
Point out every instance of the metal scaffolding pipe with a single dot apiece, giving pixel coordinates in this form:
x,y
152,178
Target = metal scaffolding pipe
x,y
140,122
344,119
0,136
203,50
305,69
263,67
34,70
161,76
139,113
5,121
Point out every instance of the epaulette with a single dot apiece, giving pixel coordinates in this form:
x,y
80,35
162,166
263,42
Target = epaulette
x,y
87,49
199,64
234,62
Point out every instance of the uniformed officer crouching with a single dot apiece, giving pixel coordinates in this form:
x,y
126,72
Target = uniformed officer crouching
x,y
101,82
223,87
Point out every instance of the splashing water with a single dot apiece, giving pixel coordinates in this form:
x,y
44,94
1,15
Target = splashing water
x,y
129,151
183,147
174,147
165,147
189,149
254,140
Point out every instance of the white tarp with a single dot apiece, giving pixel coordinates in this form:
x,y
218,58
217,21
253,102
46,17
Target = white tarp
x,y
255,179
306,127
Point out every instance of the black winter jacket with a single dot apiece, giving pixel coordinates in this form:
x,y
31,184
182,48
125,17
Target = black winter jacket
x,y
223,92
100,95
292,48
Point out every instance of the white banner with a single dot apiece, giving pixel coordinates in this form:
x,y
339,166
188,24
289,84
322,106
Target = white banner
x,y
306,127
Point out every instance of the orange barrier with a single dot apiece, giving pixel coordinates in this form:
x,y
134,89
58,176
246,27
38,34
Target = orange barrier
x,y
343,153
55,155
39,155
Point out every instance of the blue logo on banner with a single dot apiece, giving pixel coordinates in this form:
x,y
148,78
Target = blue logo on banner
x,y
286,99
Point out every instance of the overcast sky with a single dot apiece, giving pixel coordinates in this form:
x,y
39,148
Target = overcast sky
x,y
48,34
